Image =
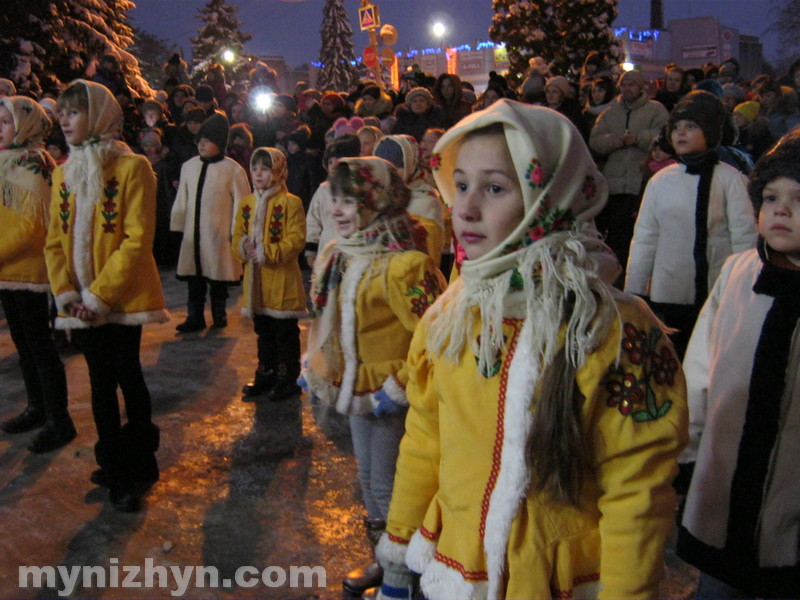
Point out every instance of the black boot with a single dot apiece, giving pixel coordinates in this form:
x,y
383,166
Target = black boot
x,y
33,416
359,580
285,385
263,382
195,319
58,429
219,314
134,467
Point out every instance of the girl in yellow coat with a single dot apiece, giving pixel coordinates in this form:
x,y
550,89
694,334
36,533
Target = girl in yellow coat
x,y
547,410
25,171
100,262
370,287
269,233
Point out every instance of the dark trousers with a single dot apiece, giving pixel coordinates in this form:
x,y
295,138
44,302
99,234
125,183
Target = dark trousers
x,y
28,316
678,316
112,354
278,346
615,222
198,286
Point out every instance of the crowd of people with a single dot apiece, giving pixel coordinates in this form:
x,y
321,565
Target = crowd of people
x,y
528,303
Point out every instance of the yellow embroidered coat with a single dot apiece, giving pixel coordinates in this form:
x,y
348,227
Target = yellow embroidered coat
x,y
448,482
101,252
23,228
379,310
274,284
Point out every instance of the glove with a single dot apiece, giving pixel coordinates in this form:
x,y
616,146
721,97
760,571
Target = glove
x,y
398,583
301,381
386,406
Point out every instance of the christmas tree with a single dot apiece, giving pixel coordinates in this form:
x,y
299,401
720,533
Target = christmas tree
x,y
220,32
527,29
586,26
38,40
561,31
337,54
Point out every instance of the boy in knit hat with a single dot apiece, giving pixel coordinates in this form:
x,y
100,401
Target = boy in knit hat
x,y
693,216
754,135
739,525
210,187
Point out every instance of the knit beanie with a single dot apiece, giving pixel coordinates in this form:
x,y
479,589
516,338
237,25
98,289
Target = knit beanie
x,y
561,84
706,110
779,161
749,110
635,76
299,136
342,147
419,91
196,115
389,149
335,99
215,128
710,85
733,90
344,126
204,93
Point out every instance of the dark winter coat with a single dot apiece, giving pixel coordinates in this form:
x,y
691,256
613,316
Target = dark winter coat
x,y
305,174
410,123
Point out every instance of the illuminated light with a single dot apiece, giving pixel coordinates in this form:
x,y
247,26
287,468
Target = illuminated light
x,y
261,98
627,66
439,29
228,56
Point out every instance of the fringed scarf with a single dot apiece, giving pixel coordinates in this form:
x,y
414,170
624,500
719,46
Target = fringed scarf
x,y
542,266
25,166
83,171
702,164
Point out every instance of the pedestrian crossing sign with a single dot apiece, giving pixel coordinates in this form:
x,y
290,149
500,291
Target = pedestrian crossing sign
x,y
368,17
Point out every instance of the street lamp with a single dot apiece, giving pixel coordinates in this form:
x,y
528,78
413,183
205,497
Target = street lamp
x,y
228,56
439,30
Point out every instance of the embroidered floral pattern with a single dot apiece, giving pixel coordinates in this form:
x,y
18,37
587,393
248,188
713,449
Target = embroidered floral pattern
x,y
493,370
635,396
435,162
546,220
109,212
424,293
535,175
63,208
246,216
276,224
35,163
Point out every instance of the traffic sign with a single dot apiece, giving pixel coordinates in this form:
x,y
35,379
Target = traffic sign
x,y
368,17
370,57
387,56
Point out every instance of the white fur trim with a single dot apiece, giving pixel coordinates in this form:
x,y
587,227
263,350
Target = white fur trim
x,y
329,393
66,298
133,319
420,552
349,287
24,286
514,476
440,582
587,591
94,303
82,235
388,551
392,387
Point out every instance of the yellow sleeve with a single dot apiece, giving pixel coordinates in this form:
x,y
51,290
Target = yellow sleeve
x,y
24,235
638,426
241,226
138,203
54,253
293,239
417,476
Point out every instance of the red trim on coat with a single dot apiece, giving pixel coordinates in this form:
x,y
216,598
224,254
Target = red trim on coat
x,y
457,566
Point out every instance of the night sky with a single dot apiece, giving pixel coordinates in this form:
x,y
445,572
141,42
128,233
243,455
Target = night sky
x,y
291,27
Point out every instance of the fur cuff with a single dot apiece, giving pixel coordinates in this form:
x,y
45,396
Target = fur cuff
x,y
23,286
395,391
388,551
420,553
441,581
66,298
94,303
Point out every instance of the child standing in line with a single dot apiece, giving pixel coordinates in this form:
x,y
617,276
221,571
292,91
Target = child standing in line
x,y
211,186
741,522
25,172
370,287
693,216
547,409
320,228
269,234
105,282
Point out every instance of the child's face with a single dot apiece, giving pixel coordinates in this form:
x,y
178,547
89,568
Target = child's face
x,y
367,143
488,202
292,147
554,96
193,126
151,147
347,215
332,162
7,129
207,148
658,155
779,217
74,124
151,118
687,138
598,94
427,144
262,175
740,120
